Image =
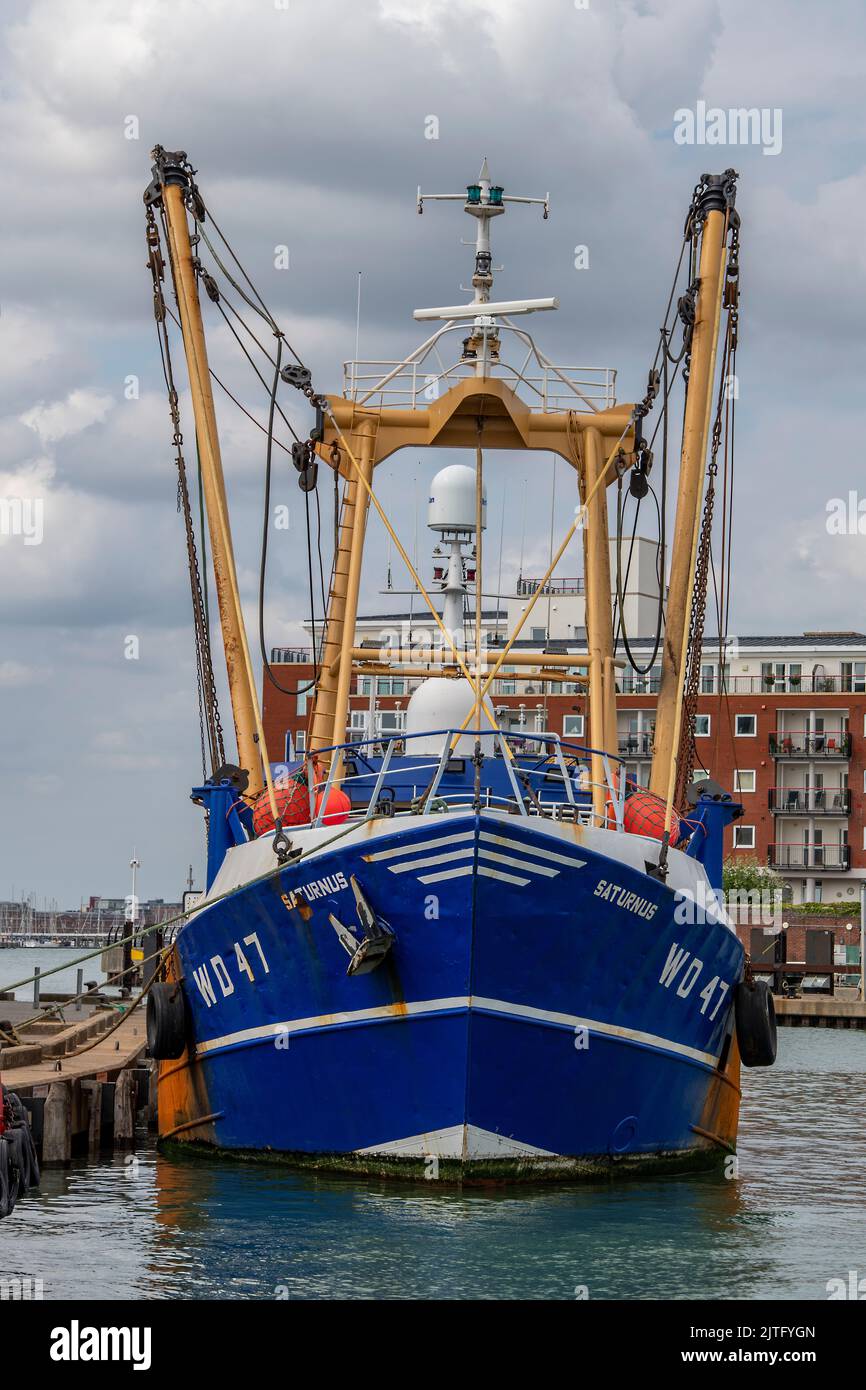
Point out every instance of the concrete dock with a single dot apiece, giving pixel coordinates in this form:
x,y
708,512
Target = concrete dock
x,y
821,1012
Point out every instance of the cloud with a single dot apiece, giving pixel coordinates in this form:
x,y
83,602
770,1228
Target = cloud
x,y
62,418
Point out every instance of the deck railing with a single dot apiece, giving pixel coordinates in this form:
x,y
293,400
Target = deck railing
x,y
533,763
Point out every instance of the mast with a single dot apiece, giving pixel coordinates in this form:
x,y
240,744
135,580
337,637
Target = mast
x,y
173,181
599,620
715,204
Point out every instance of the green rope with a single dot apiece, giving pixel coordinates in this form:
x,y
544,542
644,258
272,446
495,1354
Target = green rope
x,y
181,916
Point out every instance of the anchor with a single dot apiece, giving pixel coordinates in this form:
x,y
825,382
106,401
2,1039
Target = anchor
x,y
376,938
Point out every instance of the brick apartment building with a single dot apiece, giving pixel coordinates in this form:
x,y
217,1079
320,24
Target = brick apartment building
x,y
789,740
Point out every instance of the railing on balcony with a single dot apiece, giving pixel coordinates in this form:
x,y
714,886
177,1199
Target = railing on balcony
x,y
636,746
527,587
638,685
832,743
795,685
810,801
823,858
288,655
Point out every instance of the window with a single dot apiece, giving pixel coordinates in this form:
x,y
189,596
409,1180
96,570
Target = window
x,y
744,781
781,675
358,720
854,676
707,679
300,740
702,726
572,725
391,721
744,837
633,683
746,725
364,683
538,634
301,704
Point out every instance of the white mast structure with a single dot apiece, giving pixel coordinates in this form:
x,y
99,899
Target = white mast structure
x,y
483,200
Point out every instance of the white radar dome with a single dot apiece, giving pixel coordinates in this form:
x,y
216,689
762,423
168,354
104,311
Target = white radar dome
x,y
452,500
440,703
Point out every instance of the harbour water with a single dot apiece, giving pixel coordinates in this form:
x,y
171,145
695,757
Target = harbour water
x,y
794,1217
19,963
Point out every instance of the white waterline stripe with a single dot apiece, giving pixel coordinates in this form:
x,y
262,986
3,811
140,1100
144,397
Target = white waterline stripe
x,y
502,876
611,1030
418,845
383,1012
431,859
389,1012
527,848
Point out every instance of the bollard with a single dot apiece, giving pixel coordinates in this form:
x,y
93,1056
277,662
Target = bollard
x,y
36,986
57,1127
79,986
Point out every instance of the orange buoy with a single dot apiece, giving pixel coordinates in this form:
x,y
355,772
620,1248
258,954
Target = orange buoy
x,y
337,807
644,814
293,806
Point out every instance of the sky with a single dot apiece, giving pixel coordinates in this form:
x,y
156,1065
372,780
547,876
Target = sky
x,y
310,126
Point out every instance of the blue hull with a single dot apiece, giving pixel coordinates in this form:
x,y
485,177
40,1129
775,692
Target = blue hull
x,y
541,1012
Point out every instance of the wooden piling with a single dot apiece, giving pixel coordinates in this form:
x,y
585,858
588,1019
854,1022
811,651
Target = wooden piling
x,y
57,1127
152,1107
94,1118
124,1110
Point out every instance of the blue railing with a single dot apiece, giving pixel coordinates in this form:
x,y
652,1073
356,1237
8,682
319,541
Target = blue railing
x,y
563,765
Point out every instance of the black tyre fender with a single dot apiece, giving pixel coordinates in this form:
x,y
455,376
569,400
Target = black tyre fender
x,y
166,1021
755,1015
9,1180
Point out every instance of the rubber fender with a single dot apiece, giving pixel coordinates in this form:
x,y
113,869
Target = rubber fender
x,y
166,1022
755,1015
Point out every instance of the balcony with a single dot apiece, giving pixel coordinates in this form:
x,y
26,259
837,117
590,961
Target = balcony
x,y
527,587
793,685
832,743
818,858
288,655
810,801
636,746
640,685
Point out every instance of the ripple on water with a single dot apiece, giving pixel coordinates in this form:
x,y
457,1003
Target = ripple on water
x,y
141,1226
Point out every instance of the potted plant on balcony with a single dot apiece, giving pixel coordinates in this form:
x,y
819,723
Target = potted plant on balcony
x,y
794,682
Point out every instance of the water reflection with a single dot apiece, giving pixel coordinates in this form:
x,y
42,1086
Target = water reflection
x,y
795,1216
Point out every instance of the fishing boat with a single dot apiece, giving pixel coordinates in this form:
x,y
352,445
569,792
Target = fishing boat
x,y
457,952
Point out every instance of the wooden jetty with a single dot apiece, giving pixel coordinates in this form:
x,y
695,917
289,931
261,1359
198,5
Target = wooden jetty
x,y
83,1083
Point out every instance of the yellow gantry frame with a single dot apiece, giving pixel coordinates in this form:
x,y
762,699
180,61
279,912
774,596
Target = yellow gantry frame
x,y
475,409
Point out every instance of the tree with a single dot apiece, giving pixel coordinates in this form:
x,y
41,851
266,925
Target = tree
x,y
744,872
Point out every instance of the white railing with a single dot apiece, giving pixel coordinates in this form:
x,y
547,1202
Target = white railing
x,y
418,380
